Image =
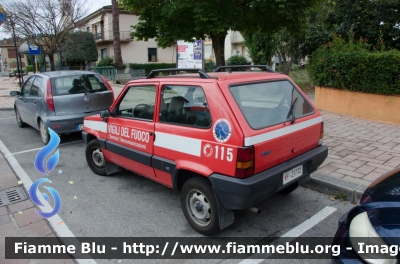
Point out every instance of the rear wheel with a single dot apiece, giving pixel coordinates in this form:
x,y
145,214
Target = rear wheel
x,y
290,188
20,123
95,158
44,132
200,206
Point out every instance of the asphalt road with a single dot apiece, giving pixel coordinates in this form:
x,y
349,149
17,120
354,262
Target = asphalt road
x,y
128,205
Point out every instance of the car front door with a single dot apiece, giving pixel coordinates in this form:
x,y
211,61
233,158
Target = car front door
x,y
32,103
20,101
130,129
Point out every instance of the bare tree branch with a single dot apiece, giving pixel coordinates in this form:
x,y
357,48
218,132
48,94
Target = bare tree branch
x,y
45,23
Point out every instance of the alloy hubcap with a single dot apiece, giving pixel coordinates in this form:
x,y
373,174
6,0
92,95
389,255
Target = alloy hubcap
x,y
199,207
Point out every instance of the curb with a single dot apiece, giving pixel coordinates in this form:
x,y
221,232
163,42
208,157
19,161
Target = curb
x,y
329,185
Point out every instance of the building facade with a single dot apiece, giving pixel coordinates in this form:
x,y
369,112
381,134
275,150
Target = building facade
x,y
8,56
100,23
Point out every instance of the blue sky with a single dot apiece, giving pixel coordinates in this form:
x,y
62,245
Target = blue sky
x,y
93,5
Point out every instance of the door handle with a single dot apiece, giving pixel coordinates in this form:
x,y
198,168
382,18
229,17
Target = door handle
x,y
34,102
150,133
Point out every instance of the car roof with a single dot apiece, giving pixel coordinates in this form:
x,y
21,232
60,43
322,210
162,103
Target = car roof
x,y
220,76
244,74
65,73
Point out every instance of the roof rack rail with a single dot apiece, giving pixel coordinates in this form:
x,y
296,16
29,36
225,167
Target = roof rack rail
x,y
262,67
203,74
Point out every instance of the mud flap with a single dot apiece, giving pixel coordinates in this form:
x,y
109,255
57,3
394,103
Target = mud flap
x,y
226,216
112,168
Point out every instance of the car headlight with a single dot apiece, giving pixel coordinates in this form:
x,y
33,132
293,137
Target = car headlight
x,y
366,241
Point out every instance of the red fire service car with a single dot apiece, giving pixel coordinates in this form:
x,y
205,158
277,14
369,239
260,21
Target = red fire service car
x,y
224,140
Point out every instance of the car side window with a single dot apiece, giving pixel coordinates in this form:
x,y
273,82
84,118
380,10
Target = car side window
x,y
37,83
27,86
184,105
138,102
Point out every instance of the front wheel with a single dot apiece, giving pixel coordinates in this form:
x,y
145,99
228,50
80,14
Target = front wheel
x,y
95,158
200,206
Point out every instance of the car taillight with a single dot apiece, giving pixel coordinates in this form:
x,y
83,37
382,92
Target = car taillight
x,y
108,86
49,96
245,162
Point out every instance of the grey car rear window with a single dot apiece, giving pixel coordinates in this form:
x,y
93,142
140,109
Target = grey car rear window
x,y
268,103
74,84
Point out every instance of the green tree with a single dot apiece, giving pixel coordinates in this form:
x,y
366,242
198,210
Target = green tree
x,y
288,47
375,21
79,48
182,19
260,46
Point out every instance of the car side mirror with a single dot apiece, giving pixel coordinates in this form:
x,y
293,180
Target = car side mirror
x,y
15,93
105,114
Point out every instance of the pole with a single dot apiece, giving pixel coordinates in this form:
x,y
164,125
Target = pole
x,y
16,52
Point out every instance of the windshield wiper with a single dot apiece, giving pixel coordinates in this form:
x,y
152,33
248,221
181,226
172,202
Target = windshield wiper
x,y
291,113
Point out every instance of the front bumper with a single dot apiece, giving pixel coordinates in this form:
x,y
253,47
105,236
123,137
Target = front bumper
x,y
66,123
238,194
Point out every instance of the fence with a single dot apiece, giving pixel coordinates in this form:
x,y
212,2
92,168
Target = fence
x,y
107,71
129,74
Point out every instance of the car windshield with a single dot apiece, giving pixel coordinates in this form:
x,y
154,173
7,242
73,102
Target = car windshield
x,y
269,103
74,84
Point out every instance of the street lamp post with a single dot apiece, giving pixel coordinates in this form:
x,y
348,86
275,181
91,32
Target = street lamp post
x,y
16,52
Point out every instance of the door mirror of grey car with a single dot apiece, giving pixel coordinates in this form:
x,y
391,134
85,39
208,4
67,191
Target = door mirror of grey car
x,y
104,114
15,93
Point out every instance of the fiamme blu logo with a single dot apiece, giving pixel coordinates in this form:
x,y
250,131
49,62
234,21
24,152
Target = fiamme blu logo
x,y
45,163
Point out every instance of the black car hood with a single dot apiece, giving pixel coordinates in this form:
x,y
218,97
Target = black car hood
x,y
384,189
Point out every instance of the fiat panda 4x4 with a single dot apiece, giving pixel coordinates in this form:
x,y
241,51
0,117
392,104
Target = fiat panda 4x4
x,y
224,140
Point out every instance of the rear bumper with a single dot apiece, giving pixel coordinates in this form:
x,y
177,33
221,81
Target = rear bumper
x,y
66,123
237,194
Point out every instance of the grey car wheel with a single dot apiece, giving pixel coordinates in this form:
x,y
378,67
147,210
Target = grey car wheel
x,y
20,123
44,132
199,206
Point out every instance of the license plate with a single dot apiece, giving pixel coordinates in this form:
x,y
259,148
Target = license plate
x,y
79,127
292,174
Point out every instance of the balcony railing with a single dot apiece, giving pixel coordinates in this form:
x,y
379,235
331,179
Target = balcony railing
x,y
106,36
236,37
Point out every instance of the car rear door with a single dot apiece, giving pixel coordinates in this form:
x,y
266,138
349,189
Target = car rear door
x,y
277,119
80,93
21,101
130,129
32,102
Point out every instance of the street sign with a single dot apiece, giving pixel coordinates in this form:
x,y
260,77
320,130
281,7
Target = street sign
x,y
34,50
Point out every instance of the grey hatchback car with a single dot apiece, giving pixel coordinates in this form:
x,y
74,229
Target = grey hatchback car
x,y
60,100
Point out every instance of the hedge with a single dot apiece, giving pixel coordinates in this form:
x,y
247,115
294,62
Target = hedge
x,y
151,66
353,67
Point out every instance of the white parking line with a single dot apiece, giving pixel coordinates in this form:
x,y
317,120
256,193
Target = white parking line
x,y
298,231
29,150
60,230
7,118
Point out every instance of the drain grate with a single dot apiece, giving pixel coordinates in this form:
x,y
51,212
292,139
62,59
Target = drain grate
x,y
11,196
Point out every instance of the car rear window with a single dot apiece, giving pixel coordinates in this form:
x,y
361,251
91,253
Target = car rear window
x,y
266,104
74,84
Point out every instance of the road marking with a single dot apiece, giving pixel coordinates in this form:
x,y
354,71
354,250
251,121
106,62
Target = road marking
x,y
29,150
60,230
297,231
7,118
